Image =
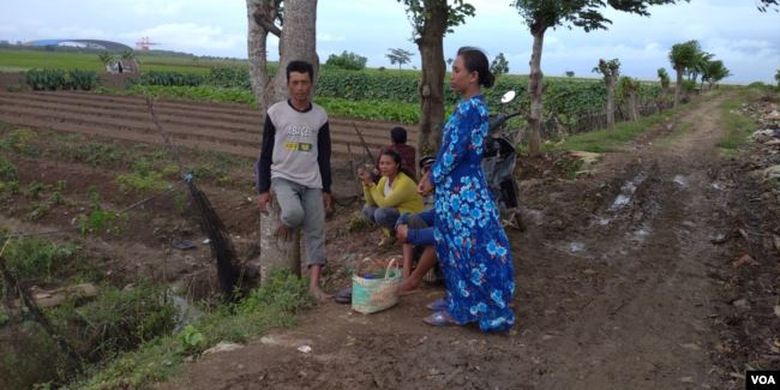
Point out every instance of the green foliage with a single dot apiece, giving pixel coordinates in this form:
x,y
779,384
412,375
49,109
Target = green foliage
x,y
499,65
737,127
586,14
601,141
54,79
19,141
273,305
347,61
228,77
388,110
715,71
569,73
684,55
92,153
663,77
192,339
143,178
8,172
200,93
33,259
609,69
168,78
99,220
45,79
117,320
85,80
399,56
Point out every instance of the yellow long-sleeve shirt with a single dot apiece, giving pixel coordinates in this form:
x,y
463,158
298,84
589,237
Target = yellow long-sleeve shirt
x,y
403,194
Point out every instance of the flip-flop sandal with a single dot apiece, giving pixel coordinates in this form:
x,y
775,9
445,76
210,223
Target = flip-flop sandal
x,y
440,318
437,305
344,296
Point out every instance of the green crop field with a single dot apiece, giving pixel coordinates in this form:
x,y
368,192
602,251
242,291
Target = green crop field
x,y
16,60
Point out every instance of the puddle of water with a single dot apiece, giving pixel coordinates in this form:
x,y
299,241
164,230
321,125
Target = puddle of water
x,y
639,235
575,247
681,181
186,313
627,191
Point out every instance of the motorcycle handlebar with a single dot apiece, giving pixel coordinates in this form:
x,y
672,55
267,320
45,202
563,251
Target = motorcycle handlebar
x,y
501,119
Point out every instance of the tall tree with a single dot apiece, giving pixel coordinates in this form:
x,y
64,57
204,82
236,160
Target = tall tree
x,y
714,72
541,15
683,56
629,90
611,71
777,77
499,65
431,20
663,77
297,41
399,56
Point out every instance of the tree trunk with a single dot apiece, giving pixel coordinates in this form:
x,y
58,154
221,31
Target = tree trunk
x,y
297,41
431,89
259,11
633,105
536,89
678,87
610,102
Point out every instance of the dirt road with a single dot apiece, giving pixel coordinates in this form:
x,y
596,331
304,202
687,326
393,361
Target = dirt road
x,y
615,291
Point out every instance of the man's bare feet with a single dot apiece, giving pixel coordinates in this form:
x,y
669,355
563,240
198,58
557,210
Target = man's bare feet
x,y
318,294
283,232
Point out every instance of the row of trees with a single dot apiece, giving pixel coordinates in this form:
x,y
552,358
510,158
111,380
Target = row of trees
x,y
294,21
689,59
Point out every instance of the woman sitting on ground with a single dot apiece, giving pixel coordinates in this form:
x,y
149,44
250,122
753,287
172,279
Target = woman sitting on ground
x,y
395,193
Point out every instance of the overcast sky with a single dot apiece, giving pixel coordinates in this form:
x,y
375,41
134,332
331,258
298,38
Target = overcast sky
x,y
746,40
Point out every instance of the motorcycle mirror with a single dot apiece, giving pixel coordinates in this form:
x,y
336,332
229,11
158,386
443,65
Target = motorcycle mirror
x,y
508,97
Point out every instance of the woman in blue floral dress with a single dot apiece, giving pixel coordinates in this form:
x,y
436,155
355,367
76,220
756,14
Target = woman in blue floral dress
x,y
471,245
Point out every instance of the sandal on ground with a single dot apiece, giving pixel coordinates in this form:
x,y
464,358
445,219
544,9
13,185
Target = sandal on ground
x,y
344,296
440,318
438,305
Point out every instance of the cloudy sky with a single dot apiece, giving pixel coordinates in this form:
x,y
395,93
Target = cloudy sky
x,y
746,40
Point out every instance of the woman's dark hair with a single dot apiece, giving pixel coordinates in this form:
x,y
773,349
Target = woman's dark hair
x,y
397,158
398,135
300,67
476,61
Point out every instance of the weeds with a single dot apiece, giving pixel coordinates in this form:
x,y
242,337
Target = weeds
x,y
99,220
35,259
273,305
737,126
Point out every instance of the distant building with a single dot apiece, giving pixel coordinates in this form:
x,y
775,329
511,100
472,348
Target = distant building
x,y
92,44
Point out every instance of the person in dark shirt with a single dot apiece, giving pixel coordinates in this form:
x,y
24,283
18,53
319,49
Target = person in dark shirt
x,y
294,166
408,153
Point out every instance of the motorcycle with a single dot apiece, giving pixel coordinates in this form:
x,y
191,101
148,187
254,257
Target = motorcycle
x,y
498,163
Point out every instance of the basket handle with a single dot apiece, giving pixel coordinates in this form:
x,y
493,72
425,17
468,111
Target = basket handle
x,y
392,262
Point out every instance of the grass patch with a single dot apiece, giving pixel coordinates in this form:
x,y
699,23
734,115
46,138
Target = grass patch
x,y
8,171
737,127
679,130
143,178
20,141
273,305
99,220
37,260
601,141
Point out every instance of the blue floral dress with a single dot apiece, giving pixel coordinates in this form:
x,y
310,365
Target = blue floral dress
x,y
471,244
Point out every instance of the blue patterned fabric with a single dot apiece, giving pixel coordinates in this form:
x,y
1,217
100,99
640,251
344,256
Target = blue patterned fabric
x,y
471,244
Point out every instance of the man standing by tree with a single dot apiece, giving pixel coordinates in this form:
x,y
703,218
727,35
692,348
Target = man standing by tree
x,y
294,165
